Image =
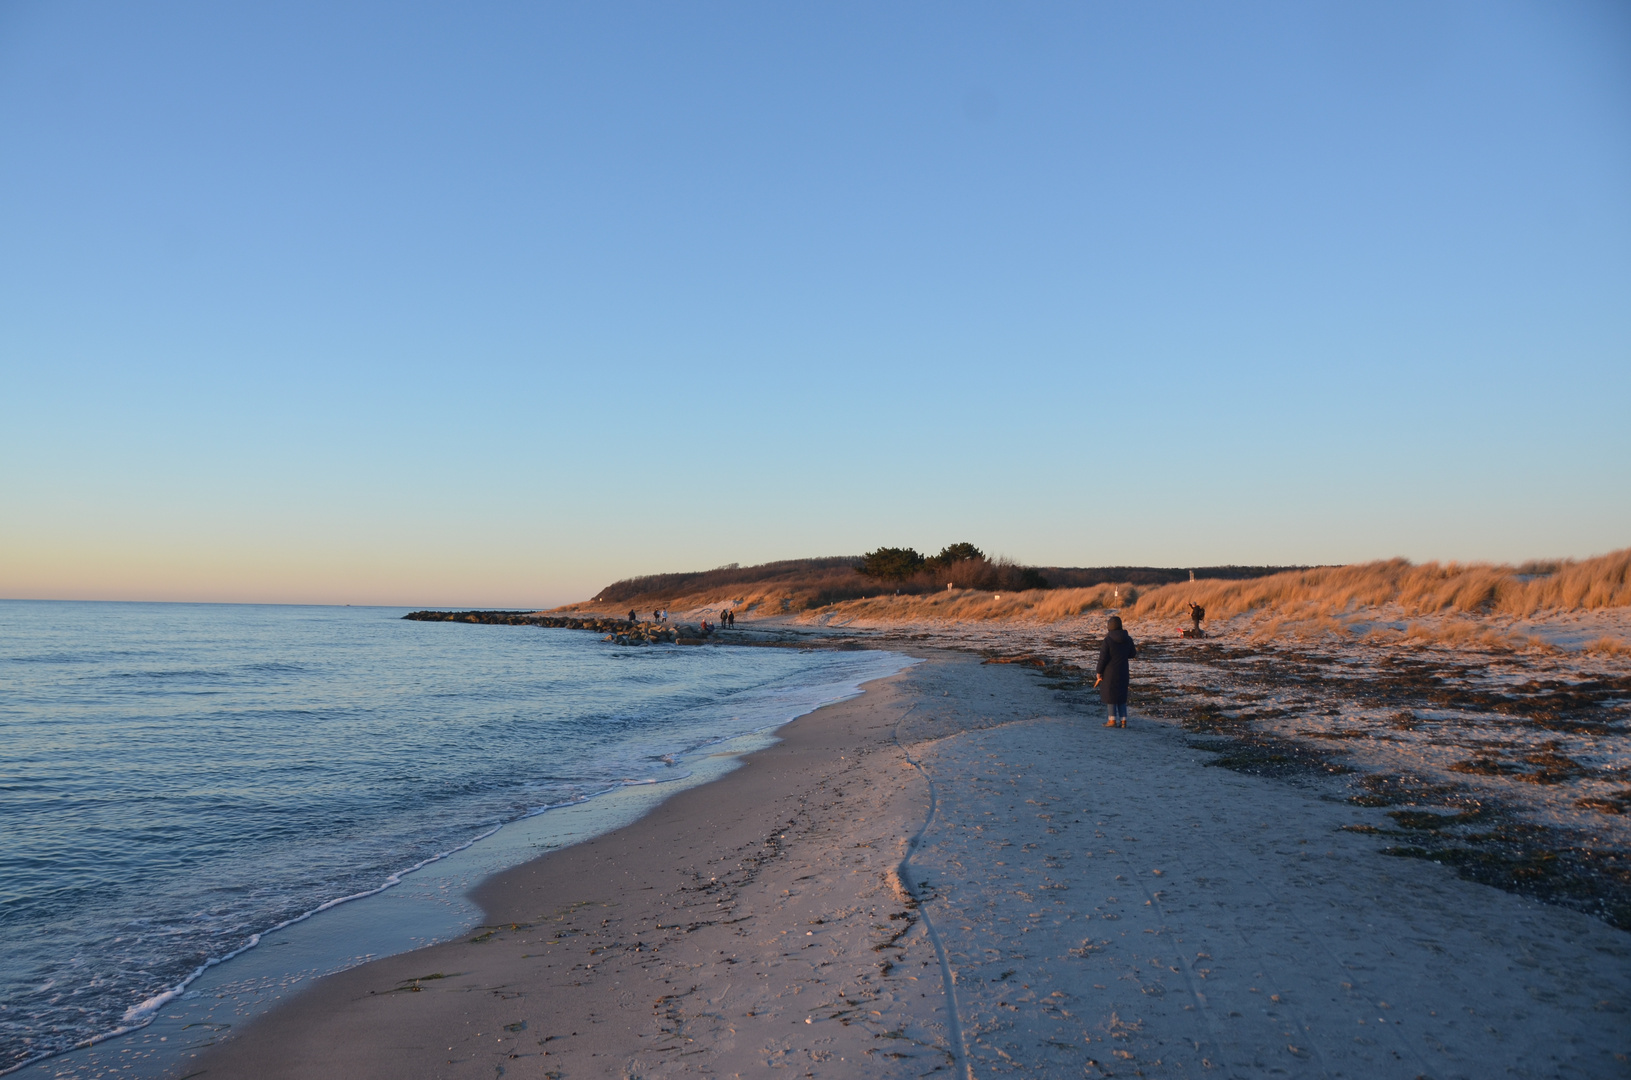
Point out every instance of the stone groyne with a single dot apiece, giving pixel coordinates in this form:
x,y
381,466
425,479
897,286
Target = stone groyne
x,y
620,631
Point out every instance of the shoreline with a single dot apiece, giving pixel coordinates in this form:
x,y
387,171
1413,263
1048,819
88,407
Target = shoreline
x,y
410,906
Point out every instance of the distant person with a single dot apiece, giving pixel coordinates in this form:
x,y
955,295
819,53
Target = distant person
x,y
1196,614
1113,676
733,618
632,616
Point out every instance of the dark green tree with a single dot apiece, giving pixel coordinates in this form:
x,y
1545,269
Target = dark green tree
x,y
952,554
892,564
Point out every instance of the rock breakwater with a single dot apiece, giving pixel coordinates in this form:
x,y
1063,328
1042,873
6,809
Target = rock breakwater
x,y
620,631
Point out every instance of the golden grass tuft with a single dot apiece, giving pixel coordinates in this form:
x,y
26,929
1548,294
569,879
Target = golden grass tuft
x,y
1609,646
1595,583
1461,633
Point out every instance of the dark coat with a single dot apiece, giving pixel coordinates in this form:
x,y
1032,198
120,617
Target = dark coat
x,y
1118,648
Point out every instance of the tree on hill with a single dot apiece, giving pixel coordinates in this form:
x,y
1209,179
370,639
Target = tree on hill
x,y
891,564
962,566
952,554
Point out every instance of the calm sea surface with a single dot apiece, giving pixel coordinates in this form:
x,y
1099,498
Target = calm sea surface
x,y
176,780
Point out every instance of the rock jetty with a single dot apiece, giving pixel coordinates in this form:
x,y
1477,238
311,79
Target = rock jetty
x,y
620,631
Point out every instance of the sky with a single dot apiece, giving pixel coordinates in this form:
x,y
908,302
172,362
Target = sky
x,y
495,303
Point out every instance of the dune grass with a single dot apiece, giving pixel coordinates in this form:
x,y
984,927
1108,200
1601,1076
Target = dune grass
x,y
1425,589
1443,604
1609,646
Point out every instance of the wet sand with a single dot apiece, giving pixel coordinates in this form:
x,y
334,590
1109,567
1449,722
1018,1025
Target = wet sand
x,y
1076,902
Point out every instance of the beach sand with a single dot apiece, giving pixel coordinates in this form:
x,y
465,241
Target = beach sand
x,y
1076,902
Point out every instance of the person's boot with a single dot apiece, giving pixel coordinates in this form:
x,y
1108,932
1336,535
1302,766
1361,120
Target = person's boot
x,y
1110,722
1123,721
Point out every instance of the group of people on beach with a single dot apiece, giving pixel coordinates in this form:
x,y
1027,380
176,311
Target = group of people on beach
x,y
727,618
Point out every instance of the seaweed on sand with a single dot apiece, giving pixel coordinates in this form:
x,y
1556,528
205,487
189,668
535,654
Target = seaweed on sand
x,y
1486,844
1617,803
1536,861
1542,765
1590,707
1264,755
1442,820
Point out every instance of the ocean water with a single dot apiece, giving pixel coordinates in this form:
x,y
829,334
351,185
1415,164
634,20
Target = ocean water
x,y
178,782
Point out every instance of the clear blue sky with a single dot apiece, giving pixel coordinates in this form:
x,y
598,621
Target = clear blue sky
x,y
493,303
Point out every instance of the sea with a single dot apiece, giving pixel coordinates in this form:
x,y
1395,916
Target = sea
x,y
205,806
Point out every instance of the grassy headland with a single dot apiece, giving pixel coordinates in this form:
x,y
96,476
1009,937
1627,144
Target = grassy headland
x,y
1466,603
792,586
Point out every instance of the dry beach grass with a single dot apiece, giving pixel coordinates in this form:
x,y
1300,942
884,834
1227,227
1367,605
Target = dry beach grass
x,y
1424,589
1326,598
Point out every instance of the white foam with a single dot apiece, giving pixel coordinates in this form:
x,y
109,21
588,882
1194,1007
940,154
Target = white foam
x,y
142,1014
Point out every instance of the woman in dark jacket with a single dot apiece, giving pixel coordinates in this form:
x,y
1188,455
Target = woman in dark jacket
x,y
1118,648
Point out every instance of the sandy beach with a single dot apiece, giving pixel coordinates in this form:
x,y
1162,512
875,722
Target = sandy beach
x,y
962,873
596,541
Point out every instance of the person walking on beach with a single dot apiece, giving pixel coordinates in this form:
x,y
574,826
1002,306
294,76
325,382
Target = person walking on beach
x,y
1196,615
1113,676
